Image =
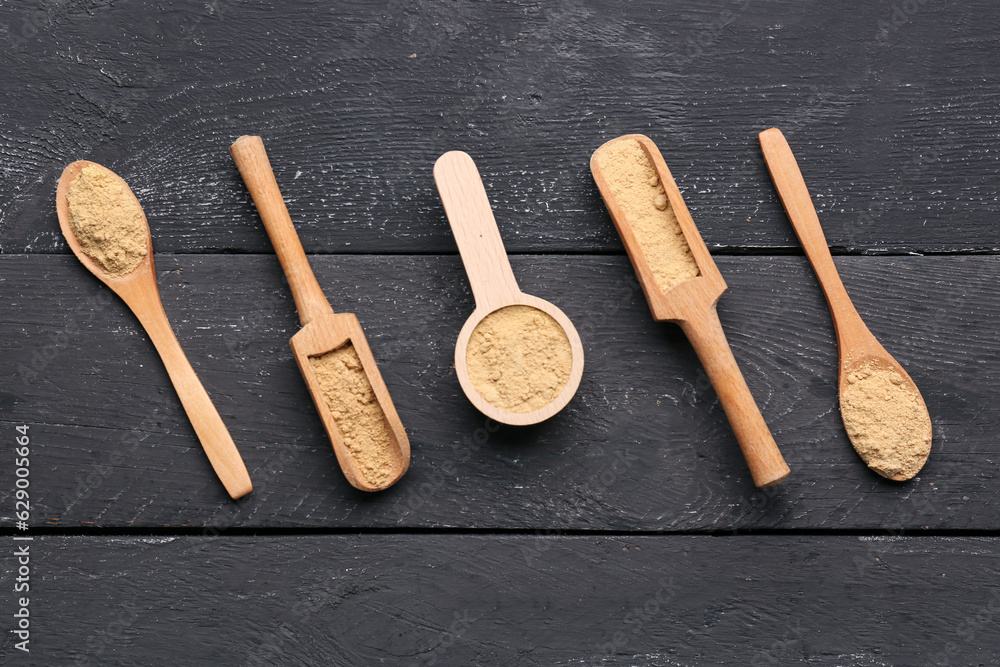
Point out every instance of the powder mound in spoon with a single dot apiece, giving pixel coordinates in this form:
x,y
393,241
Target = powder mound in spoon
x,y
886,421
519,358
357,413
632,179
107,221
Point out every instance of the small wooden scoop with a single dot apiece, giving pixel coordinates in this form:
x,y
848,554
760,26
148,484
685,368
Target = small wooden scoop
x,y
139,292
692,305
858,347
322,331
493,285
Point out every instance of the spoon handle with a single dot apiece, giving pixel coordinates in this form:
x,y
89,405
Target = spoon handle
x,y
251,160
798,205
208,425
762,455
471,218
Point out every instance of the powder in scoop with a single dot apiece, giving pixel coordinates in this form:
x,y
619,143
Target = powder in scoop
x,y
519,358
636,188
886,421
356,412
106,220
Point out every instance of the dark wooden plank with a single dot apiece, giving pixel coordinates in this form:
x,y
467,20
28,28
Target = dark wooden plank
x,y
505,601
644,444
892,113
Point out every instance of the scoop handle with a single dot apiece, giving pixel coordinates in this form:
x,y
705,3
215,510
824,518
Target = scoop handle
x,y
475,229
798,205
763,458
251,160
204,418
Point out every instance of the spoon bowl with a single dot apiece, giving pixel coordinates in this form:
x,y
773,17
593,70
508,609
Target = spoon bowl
x,y
507,416
140,274
139,291
883,363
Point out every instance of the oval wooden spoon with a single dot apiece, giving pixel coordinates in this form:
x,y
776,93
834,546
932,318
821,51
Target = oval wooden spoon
x,y
322,331
139,292
692,304
857,347
493,285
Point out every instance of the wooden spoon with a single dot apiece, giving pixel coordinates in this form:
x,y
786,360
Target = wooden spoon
x,y
692,305
493,285
322,331
857,346
139,292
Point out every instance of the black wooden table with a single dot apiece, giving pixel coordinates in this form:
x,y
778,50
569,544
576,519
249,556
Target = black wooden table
x,y
623,531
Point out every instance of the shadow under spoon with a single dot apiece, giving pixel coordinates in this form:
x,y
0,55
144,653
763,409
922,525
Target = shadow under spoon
x,y
139,291
883,411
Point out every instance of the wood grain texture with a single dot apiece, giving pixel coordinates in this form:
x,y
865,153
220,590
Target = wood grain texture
x,y
644,445
517,600
894,113
255,169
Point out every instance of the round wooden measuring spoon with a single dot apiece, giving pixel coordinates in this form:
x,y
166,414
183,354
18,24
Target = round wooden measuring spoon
x,y
857,345
493,285
139,292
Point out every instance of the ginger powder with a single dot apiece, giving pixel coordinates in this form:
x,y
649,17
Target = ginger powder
x,y
107,221
519,358
639,194
357,413
886,421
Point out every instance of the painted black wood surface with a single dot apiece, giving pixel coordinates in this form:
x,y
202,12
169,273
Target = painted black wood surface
x,y
625,530
505,600
894,124
644,444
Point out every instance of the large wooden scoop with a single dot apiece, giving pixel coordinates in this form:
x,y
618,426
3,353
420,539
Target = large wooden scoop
x,y
324,332
692,304
139,291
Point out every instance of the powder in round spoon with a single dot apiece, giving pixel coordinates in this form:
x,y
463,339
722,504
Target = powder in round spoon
x,y
357,413
638,192
107,221
886,421
519,358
